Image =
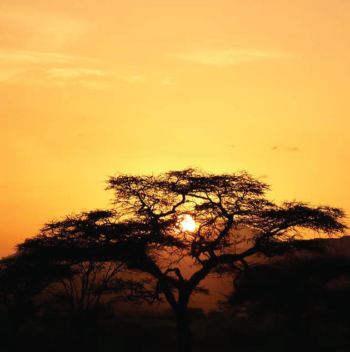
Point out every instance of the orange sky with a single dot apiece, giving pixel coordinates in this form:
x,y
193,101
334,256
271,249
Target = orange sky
x,y
91,88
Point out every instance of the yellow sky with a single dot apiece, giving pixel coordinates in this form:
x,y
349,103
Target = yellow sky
x,y
91,88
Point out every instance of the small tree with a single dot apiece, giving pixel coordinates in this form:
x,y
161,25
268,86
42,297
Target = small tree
x,y
76,244
84,285
144,230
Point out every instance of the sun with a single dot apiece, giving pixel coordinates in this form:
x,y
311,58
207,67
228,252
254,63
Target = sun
x,y
187,223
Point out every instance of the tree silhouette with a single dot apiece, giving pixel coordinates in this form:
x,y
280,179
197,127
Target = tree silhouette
x,y
83,286
21,281
302,292
143,231
75,245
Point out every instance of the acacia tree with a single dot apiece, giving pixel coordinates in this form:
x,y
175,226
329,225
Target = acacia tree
x,y
221,205
75,244
145,233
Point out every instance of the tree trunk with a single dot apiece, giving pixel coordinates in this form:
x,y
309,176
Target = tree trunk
x,y
184,335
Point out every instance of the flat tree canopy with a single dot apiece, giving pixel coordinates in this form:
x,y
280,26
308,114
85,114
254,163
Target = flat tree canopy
x,y
144,230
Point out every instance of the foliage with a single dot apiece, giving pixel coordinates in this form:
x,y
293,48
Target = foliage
x,y
83,245
295,288
21,281
235,224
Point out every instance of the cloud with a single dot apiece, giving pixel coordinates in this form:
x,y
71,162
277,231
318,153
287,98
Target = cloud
x,y
49,68
89,78
92,84
85,77
229,57
74,72
8,74
26,57
135,79
16,64
167,81
29,28
34,46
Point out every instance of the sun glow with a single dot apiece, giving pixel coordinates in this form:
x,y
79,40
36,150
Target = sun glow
x,y
187,223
